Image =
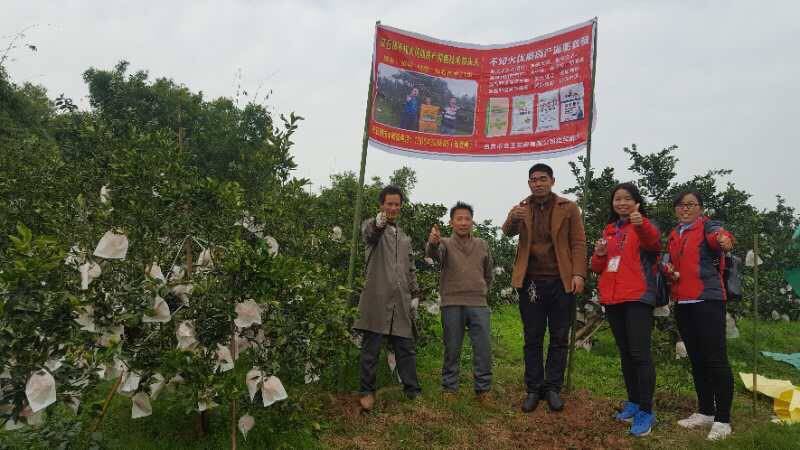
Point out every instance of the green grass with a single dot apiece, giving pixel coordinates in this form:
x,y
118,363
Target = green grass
x,y
316,418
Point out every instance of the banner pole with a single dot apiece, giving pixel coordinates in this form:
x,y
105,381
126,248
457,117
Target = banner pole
x,y
585,201
755,321
360,188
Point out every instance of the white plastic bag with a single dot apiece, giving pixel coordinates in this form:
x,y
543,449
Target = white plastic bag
x,y
247,313
160,310
112,246
246,424
253,380
187,338
140,405
40,390
89,272
272,391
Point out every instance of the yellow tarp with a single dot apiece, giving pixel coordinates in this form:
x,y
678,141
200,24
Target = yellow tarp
x,y
787,396
428,115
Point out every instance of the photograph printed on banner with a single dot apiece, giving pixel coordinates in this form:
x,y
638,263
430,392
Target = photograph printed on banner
x,y
522,114
572,102
497,117
547,117
428,104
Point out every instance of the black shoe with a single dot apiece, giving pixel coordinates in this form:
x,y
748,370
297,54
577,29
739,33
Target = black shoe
x,y
531,402
413,395
554,401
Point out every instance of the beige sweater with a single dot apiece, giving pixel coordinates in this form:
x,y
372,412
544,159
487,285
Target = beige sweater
x,y
466,270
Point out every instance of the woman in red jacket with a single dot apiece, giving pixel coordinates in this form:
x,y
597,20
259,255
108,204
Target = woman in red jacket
x,y
625,257
696,249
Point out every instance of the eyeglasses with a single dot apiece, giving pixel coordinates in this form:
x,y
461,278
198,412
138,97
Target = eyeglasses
x,y
687,205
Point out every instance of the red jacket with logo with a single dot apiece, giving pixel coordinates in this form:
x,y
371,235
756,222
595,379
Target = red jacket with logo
x,y
638,248
696,255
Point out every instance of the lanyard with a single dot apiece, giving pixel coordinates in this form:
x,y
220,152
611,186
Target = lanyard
x,y
620,236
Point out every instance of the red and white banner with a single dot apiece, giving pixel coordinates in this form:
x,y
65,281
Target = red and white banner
x,y
448,100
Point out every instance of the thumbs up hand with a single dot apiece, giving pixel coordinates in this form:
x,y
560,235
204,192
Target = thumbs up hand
x,y
636,216
601,247
725,241
435,236
518,212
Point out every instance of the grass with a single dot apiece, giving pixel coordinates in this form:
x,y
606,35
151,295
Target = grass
x,y
317,418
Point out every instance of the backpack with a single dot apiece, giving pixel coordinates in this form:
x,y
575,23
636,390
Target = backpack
x,y
732,275
662,285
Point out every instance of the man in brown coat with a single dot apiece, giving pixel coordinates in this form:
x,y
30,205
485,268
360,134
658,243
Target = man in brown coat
x,y
385,304
550,268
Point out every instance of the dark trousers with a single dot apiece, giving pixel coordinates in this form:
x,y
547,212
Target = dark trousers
x,y
702,328
409,121
475,319
552,308
632,326
405,355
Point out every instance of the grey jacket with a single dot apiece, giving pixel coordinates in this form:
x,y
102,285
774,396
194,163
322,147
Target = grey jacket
x,y
391,281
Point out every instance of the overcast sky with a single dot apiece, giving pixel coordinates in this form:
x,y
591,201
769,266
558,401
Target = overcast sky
x,y
719,79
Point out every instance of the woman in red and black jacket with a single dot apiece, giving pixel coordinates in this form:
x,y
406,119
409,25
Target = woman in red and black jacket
x,y
626,259
696,248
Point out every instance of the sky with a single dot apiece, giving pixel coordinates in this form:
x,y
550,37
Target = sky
x,y
717,78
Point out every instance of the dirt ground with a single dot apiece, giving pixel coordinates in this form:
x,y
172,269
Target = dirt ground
x,y
585,423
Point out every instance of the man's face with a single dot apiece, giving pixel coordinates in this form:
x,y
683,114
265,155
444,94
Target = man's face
x,y
461,222
391,206
541,184
414,92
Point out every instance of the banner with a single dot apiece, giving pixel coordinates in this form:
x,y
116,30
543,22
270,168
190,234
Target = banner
x,y
447,100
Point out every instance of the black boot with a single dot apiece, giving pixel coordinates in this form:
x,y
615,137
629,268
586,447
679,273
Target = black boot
x,y
531,402
554,401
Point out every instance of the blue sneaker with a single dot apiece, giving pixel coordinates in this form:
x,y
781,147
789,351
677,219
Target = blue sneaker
x,y
629,410
642,423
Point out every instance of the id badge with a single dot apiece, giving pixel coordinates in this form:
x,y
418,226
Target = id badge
x,y
613,264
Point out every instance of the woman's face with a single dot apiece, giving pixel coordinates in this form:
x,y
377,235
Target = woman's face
x,y
689,209
624,203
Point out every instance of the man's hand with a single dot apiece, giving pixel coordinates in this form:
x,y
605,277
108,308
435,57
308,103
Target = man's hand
x,y
435,236
636,216
518,213
380,220
725,241
671,271
601,247
577,284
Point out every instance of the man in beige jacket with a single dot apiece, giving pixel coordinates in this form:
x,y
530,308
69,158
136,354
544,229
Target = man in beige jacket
x,y
385,304
550,268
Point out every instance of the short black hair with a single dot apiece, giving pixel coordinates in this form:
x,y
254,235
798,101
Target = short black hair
x,y
391,190
539,167
679,198
630,188
461,205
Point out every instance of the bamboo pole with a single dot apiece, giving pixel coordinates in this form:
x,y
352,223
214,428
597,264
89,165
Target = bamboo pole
x,y
233,402
360,188
108,401
585,201
755,322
